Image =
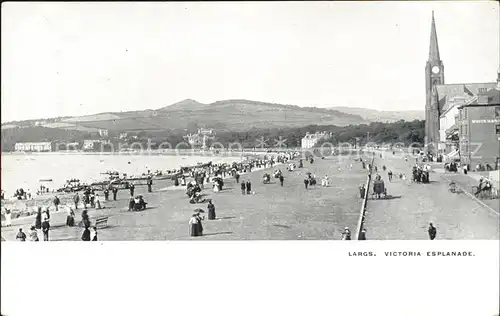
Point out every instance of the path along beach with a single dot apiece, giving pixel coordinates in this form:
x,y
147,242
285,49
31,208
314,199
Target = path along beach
x,y
272,213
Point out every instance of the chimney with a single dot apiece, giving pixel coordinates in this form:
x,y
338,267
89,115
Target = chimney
x,y
482,96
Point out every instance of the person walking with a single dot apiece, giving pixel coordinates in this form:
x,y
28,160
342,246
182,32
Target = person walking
x,y
97,201
362,234
346,235
243,187
93,234
45,229
132,189
8,217
432,231
76,200
56,203
85,219
115,192
389,174
193,226
86,234
150,184
249,186
33,234
21,236
106,194
237,177
38,218
306,182
131,203
70,219
211,211
362,191
282,179
199,218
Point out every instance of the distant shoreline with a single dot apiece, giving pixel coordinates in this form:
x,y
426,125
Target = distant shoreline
x,y
180,152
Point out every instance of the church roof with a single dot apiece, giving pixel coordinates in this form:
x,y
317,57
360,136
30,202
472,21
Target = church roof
x,y
447,92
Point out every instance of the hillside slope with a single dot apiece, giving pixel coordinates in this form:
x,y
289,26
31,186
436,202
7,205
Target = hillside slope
x,y
382,116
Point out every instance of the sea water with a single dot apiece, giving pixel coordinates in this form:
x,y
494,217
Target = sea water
x,y
26,170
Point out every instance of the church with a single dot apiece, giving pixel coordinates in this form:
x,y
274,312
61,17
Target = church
x,y
445,102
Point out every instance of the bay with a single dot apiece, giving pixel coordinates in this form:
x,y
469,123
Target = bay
x,y
25,171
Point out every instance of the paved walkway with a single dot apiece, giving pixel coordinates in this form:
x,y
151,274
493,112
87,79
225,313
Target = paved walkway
x,y
406,215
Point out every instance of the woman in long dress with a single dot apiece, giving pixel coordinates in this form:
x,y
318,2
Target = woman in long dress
x,y
200,225
70,219
211,211
8,217
216,186
38,219
193,226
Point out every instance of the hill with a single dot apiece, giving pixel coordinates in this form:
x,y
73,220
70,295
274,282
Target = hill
x,y
382,116
233,115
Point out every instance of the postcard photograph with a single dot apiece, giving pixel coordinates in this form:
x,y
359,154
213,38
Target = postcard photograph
x,y
250,121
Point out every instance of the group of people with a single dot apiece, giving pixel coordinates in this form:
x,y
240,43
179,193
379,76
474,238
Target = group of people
x,y
195,222
21,194
420,174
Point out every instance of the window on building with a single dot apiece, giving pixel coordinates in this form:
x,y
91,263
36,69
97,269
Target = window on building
x,y
497,111
498,129
465,130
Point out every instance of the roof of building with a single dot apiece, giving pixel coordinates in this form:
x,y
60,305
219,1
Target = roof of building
x,y
493,98
467,90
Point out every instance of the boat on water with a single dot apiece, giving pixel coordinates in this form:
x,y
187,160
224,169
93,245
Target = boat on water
x,y
45,180
199,165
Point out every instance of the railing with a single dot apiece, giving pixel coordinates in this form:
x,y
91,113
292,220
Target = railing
x,y
362,212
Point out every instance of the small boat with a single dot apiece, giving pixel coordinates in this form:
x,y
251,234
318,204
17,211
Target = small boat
x,y
45,180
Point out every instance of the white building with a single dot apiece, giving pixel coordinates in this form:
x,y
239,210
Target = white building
x,y
38,146
88,144
310,140
103,132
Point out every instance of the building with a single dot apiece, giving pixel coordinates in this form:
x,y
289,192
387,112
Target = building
x,y
478,129
103,132
200,139
443,100
310,140
38,146
88,144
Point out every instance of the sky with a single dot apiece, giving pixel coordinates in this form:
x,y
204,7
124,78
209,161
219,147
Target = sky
x,y
68,59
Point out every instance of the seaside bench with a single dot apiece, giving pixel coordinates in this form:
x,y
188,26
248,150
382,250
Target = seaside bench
x,y
101,222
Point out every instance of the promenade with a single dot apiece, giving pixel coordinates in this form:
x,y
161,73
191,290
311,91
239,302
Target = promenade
x,y
411,207
274,213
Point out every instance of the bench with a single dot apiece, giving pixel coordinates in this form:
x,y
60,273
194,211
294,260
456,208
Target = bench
x,y
101,222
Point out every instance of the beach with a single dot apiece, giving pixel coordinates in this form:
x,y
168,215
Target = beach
x,y
272,213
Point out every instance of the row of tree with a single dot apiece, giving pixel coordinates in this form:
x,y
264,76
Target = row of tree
x,y
396,132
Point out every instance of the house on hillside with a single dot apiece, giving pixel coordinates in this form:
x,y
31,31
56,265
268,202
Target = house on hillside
x,y
103,132
310,140
88,144
34,147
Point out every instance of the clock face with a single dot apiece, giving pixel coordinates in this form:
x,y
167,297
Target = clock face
x,y
435,69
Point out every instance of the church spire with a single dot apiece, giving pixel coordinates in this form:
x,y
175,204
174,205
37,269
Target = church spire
x,y
433,47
